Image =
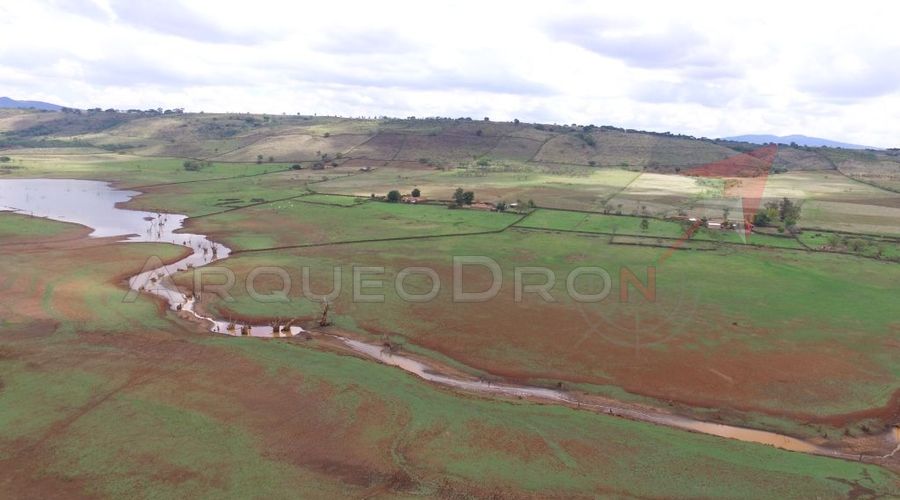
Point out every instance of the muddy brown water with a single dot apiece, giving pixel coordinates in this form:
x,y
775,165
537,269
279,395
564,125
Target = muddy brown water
x,y
94,204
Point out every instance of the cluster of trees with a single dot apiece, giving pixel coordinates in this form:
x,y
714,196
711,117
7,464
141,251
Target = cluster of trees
x,y
195,165
394,196
856,244
784,213
151,112
587,138
462,197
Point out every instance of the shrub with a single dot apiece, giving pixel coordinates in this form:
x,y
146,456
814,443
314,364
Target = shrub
x,y
194,165
393,196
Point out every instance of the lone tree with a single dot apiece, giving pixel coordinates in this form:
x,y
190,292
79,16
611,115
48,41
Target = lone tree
x,y
459,197
259,158
416,193
788,212
645,224
393,196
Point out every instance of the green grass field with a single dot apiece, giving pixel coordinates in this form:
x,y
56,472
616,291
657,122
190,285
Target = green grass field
x,y
745,307
320,220
16,228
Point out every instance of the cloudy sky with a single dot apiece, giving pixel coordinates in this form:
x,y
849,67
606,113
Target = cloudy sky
x,y
702,69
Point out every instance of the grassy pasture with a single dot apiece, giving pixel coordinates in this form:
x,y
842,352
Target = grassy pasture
x,y
557,187
18,229
297,222
772,322
104,398
75,283
853,244
214,196
630,225
130,172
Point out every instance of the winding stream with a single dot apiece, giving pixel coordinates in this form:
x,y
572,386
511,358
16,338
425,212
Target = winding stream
x,y
95,204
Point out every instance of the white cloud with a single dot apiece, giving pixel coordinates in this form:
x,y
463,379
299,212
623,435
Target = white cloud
x,y
699,68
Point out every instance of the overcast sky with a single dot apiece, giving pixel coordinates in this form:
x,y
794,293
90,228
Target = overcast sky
x,y
702,69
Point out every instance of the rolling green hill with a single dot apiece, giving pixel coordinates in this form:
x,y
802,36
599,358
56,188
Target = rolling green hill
x,y
435,142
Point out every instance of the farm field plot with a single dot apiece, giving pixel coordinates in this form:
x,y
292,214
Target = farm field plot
x,y
21,229
881,169
302,223
557,187
631,225
600,223
54,275
214,196
127,172
887,248
851,217
619,148
295,146
661,194
727,341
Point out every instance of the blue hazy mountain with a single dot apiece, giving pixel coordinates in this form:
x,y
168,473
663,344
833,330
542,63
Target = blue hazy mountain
x,y
801,140
6,102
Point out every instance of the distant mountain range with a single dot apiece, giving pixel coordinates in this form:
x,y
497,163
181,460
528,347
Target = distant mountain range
x,y
6,102
801,140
